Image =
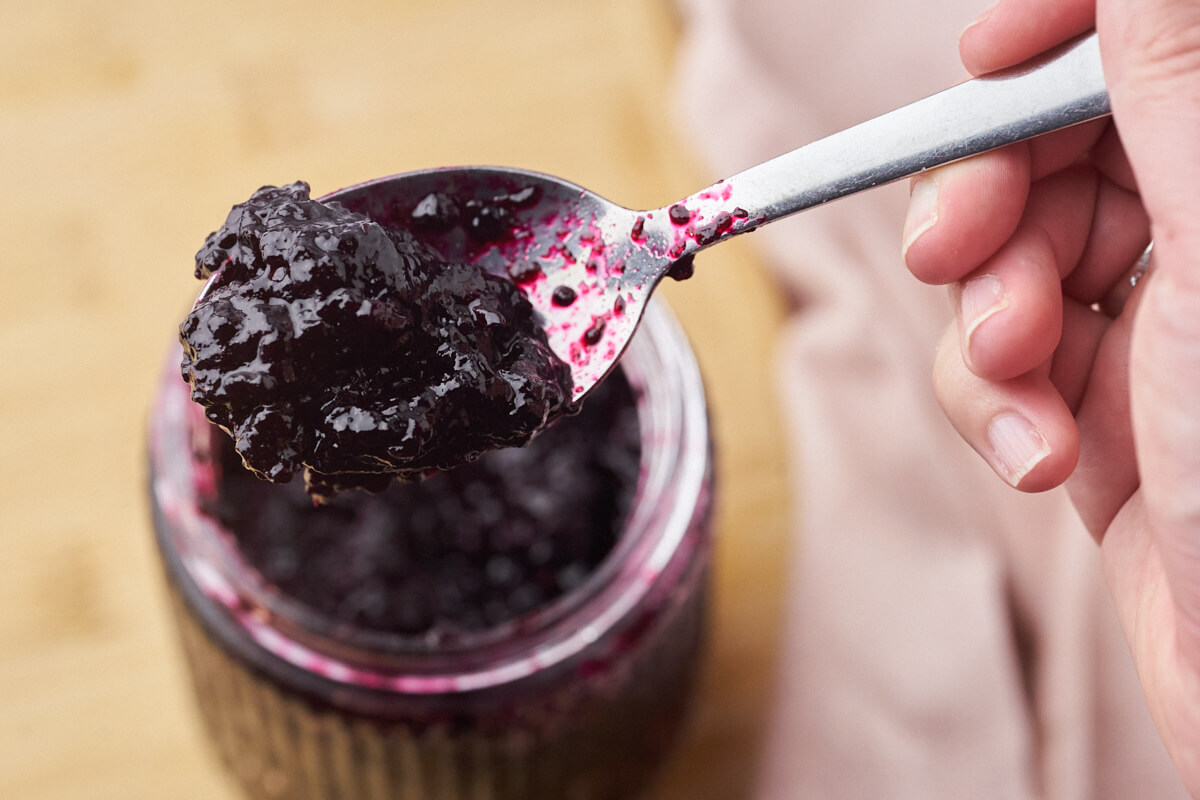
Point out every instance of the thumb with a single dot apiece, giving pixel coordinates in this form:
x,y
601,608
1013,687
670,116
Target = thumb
x,y
1151,52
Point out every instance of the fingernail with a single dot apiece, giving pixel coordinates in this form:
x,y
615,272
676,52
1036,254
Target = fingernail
x,y
986,13
982,298
922,210
1017,446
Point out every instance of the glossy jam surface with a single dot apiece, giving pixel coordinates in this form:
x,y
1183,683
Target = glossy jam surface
x,y
461,551
328,343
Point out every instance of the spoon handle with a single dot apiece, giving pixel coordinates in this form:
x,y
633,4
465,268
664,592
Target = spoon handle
x,y
1056,90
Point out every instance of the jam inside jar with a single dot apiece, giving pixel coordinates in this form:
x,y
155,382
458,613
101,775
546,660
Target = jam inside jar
x,y
577,695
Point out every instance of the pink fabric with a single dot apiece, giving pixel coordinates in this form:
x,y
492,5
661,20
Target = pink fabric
x,y
946,636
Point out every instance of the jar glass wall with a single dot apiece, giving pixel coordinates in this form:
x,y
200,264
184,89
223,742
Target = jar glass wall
x,y
581,698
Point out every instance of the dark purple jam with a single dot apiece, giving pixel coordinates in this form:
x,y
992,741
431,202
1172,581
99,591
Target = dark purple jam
x,y
483,220
330,344
464,550
563,296
683,268
679,214
594,333
713,231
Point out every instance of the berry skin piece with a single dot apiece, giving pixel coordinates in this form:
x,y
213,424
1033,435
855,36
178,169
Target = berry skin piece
x,y
330,344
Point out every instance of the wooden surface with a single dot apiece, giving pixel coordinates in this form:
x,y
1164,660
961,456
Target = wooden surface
x,y
128,128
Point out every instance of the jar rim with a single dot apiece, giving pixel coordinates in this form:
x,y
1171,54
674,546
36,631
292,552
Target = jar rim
x,y
672,490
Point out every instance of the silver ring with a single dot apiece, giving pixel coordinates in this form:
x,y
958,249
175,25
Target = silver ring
x,y
1143,264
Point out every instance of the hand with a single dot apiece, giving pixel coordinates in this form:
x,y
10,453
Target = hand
x,y
1057,370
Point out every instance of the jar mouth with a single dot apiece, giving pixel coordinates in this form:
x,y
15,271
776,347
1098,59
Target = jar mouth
x,y
672,490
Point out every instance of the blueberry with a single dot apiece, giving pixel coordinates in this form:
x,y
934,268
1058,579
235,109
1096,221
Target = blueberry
x,y
563,296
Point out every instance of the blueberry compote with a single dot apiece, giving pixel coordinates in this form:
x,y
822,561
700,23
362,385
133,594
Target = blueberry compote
x,y
330,343
462,551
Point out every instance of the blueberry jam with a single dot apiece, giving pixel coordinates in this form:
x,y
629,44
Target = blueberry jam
x,y
563,296
679,214
484,220
465,550
355,352
683,268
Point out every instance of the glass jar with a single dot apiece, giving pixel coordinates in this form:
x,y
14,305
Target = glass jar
x,y
579,699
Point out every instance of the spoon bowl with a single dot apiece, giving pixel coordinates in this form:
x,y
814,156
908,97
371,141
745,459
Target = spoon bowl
x,y
549,236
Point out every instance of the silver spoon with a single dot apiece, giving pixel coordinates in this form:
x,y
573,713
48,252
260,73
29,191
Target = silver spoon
x,y
611,258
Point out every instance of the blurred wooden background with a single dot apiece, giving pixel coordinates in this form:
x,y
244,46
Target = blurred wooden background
x,y
127,130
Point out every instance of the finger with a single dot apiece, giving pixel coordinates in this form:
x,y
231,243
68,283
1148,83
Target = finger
x,y
1165,374
1110,158
960,214
1152,62
1060,149
1071,367
1021,427
1120,232
1013,31
1107,473
1010,309
1117,299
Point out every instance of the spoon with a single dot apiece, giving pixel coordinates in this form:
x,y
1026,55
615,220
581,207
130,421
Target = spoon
x,y
564,243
